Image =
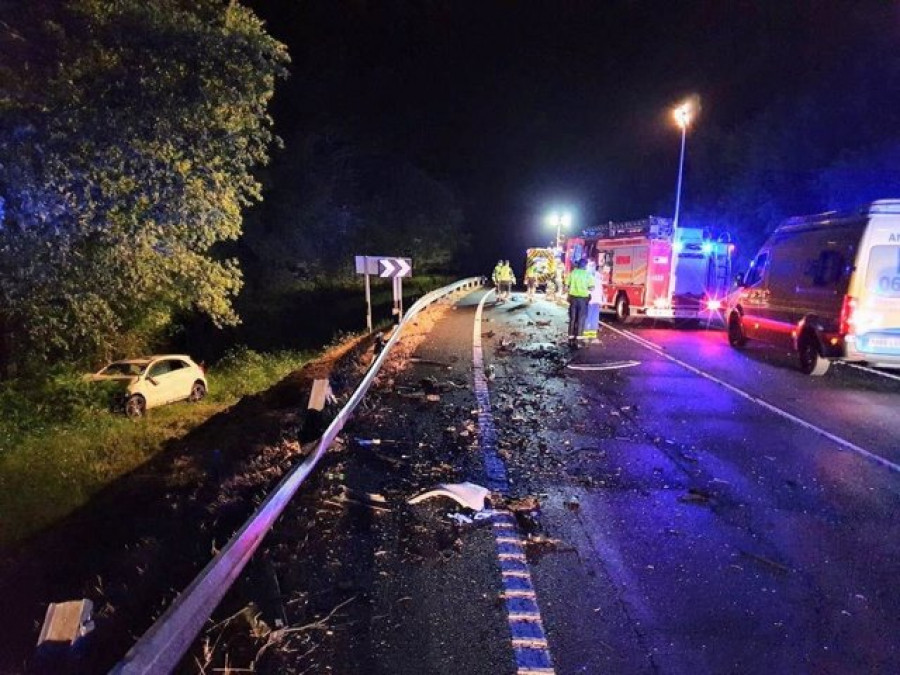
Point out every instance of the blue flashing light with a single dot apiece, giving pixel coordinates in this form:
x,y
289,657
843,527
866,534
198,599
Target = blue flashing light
x,y
678,246
707,247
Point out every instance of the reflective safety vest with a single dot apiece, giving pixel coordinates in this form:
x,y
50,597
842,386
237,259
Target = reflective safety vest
x,y
580,283
506,274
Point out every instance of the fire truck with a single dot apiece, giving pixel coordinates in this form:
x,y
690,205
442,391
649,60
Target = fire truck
x,y
546,262
651,269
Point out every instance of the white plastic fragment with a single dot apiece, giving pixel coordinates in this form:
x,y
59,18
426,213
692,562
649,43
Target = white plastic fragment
x,y
611,365
467,494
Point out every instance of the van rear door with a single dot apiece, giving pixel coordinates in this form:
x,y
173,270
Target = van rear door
x,y
876,320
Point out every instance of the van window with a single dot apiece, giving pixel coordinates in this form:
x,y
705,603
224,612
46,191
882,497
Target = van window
x,y
883,277
757,268
828,268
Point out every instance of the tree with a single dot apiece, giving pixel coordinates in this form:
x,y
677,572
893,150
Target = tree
x,y
128,134
333,197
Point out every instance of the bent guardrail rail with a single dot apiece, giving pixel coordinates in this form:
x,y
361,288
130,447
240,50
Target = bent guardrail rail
x,y
161,648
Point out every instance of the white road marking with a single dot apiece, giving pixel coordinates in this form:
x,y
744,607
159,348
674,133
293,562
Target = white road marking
x,y
879,373
759,401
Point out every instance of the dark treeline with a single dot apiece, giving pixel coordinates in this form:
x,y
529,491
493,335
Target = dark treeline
x,y
138,198
517,108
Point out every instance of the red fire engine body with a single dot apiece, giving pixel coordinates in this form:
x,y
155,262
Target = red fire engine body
x,y
650,269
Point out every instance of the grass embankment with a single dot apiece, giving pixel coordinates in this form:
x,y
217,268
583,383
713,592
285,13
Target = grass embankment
x,y
59,444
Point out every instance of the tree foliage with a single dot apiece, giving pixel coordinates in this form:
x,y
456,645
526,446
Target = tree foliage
x,y
333,198
128,133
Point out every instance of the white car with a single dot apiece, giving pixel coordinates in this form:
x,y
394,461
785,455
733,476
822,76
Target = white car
x,y
154,381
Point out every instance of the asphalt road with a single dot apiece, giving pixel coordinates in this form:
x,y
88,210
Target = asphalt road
x,y
701,509
720,529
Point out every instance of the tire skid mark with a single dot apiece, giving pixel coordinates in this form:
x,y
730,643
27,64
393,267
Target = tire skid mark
x,y
527,637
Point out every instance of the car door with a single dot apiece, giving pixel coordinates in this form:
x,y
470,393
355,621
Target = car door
x,y
183,376
162,382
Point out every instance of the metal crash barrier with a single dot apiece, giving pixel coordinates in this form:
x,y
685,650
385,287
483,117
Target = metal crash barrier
x,y
161,648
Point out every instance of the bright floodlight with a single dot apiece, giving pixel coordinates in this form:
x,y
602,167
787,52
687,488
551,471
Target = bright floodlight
x,y
559,221
683,114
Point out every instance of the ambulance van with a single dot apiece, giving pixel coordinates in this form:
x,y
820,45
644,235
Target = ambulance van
x,y
828,287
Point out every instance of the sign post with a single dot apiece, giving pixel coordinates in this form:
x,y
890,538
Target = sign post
x,y
368,305
385,267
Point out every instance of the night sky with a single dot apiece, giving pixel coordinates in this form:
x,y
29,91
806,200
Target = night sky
x,y
523,106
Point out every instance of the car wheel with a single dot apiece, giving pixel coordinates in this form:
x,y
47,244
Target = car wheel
x,y
736,337
623,309
198,391
135,406
811,361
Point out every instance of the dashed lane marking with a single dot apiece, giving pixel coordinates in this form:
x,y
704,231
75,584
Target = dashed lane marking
x,y
842,442
527,638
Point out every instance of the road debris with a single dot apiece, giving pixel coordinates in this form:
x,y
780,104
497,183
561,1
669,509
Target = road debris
x,y
540,349
695,496
367,442
784,569
430,362
373,500
65,623
460,518
609,365
466,494
528,503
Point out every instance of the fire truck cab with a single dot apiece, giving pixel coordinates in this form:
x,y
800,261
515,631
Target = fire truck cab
x,y
651,269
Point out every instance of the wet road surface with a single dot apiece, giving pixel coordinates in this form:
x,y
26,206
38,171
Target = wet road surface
x,y
702,510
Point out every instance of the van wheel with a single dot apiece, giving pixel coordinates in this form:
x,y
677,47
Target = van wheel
x,y
623,309
736,337
811,361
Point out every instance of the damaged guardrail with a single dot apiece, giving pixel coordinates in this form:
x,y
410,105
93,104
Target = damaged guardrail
x,y
161,648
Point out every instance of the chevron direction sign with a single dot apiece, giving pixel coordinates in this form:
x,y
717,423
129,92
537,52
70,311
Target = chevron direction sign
x,y
393,268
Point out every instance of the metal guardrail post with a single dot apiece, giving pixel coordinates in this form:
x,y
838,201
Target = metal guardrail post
x,y
160,649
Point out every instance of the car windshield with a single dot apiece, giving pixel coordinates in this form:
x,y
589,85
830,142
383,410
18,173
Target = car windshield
x,y
133,368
